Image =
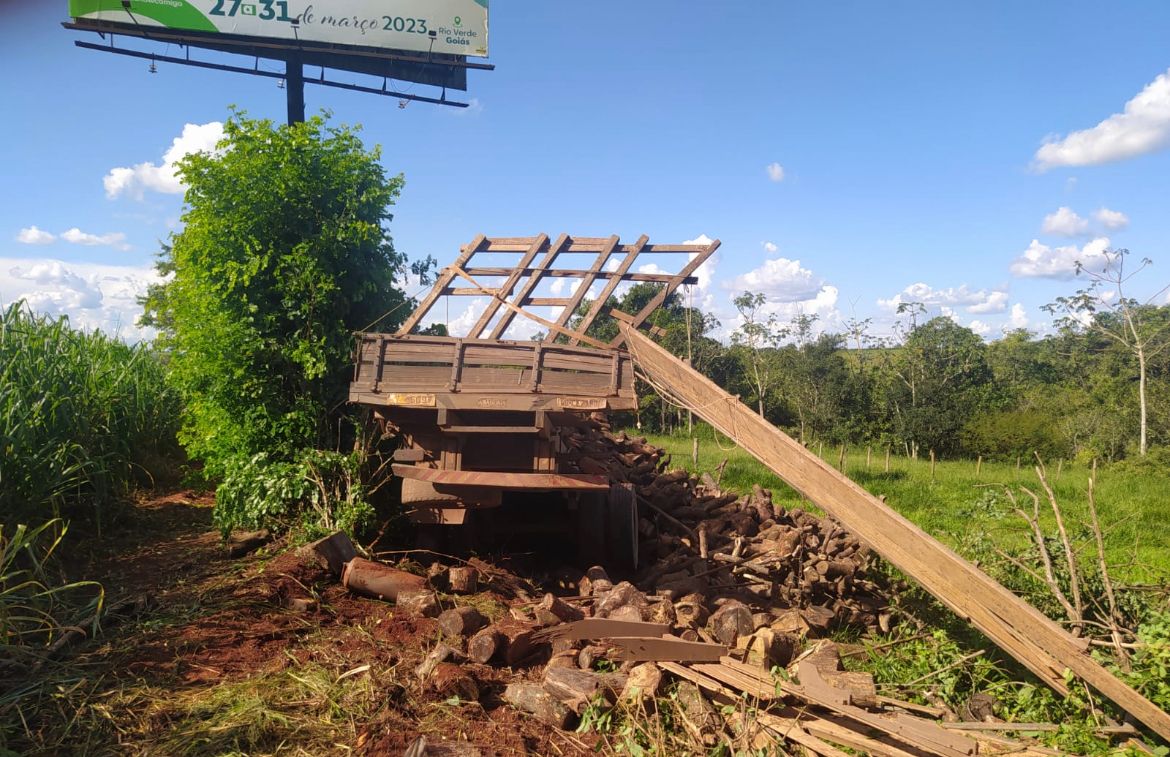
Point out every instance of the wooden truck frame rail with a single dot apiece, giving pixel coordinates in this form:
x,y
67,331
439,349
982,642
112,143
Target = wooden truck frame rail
x,y
480,416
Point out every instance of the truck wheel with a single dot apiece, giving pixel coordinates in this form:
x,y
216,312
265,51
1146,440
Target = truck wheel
x,y
622,531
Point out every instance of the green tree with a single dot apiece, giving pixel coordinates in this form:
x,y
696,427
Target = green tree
x,y
755,343
936,380
1103,307
283,255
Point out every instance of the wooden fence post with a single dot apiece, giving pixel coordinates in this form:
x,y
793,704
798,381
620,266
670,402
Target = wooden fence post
x,y
841,462
932,465
868,455
978,465
695,452
887,459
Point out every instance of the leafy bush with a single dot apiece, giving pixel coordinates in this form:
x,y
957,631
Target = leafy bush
x,y
283,255
316,494
81,415
1010,434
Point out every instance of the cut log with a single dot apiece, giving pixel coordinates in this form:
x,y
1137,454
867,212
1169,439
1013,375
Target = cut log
x,y
419,603
450,680
332,552
533,699
731,621
373,579
559,609
624,594
595,581
644,683
485,645
766,648
441,653
437,575
461,621
576,687
241,543
463,580
520,644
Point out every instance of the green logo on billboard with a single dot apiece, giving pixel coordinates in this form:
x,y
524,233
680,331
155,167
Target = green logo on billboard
x,y
459,21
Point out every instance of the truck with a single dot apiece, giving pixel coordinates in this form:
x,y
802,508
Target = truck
x,y
482,419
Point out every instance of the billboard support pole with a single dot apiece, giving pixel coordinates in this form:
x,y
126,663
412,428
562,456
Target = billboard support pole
x,y
295,89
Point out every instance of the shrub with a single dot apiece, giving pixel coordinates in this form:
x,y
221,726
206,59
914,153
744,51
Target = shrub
x,y
1009,434
317,493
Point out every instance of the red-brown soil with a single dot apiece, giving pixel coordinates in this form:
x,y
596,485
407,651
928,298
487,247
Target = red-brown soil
x,y
212,621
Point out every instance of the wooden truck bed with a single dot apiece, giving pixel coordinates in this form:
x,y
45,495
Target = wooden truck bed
x,y
487,374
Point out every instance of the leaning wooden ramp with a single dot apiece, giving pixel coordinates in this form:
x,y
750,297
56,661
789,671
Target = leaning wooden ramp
x,y
1018,628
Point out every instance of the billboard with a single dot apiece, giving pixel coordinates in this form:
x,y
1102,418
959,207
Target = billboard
x,y
450,27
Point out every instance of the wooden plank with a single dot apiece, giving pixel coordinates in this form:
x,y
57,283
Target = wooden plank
x,y
505,290
737,680
829,730
923,734
1018,628
682,277
503,480
445,277
577,297
659,648
542,321
595,309
534,276
577,273
603,628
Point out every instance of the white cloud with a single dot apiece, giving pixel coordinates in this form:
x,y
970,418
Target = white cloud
x,y
781,280
113,239
33,235
1066,223
1042,261
1018,319
1142,127
94,296
1114,220
979,327
775,171
769,246
136,180
978,301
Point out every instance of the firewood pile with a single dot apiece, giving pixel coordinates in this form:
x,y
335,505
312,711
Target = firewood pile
x,y
715,547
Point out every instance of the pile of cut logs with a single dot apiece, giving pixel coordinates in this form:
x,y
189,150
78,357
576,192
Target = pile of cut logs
x,y
723,547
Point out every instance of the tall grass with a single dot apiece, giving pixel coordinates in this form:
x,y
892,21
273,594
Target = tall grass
x,y
81,416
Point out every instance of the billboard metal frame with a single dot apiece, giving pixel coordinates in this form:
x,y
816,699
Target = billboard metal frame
x,y
432,69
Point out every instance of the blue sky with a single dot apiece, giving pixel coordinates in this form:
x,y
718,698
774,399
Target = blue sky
x,y
959,154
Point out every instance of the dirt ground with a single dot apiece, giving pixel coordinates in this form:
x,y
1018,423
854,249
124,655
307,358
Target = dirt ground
x,y
211,661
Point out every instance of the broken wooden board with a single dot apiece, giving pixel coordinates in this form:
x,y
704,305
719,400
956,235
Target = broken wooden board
x,y
1018,628
601,628
664,648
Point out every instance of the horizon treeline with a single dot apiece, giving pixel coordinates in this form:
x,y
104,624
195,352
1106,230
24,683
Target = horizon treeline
x,y
934,385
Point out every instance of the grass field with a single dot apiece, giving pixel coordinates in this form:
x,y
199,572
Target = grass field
x,y
970,511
